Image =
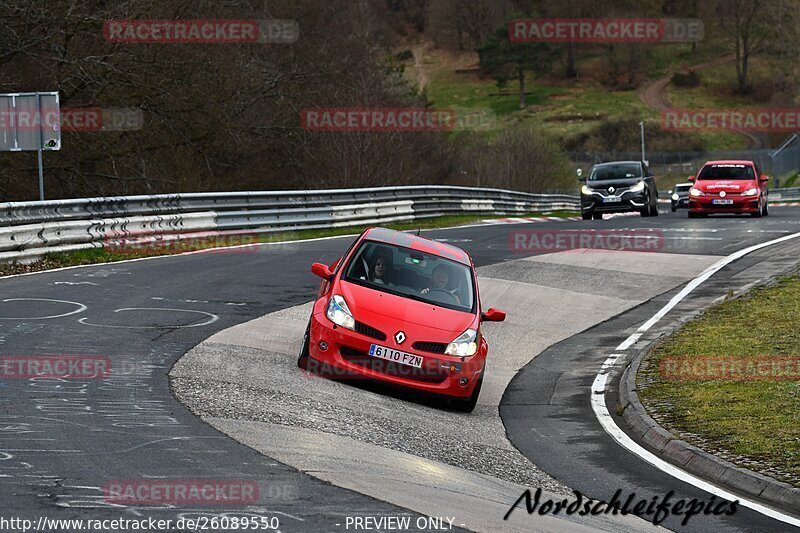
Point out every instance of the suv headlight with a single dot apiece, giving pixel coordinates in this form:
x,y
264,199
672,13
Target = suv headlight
x,y
464,344
339,313
750,192
676,197
638,187
696,192
586,190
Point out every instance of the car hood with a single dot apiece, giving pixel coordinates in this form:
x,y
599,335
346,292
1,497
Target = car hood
x,y
383,310
729,186
605,184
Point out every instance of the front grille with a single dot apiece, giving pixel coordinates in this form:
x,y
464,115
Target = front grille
x,y
432,347
429,374
369,331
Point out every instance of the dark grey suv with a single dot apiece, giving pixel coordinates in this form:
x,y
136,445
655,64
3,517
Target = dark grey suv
x,y
618,187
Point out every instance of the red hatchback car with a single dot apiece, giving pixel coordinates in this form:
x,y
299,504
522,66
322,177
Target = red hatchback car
x,y
728,187
404,310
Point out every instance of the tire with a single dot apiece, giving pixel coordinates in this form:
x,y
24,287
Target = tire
x,y
692,214
597,216
766,208
302,359
586,216
654,212
674,208
468,405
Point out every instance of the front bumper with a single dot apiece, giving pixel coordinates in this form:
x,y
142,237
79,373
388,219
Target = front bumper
x,y
347,356
628,201
741,204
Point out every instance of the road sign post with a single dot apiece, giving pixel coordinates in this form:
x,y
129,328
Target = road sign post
x,y
30,122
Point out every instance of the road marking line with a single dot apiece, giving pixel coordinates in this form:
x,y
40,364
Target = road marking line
x,y
627,343
610,427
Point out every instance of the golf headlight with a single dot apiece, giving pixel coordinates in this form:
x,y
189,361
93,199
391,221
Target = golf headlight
x,y
586,190
696,192
676,197
464,344
638,187
339,314
750,192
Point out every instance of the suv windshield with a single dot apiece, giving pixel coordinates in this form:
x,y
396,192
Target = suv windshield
x,y
412,274
732,171
616,172
683,188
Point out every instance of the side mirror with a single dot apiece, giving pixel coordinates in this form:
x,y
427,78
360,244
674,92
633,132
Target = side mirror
x,y
493,315
669,191
690,178
763,178
322,270
579,173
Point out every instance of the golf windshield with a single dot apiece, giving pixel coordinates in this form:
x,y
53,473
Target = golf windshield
x,y
616,172
412,274
727,172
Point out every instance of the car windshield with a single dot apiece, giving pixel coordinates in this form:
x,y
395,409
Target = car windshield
x,y
616,172
727,172
412,274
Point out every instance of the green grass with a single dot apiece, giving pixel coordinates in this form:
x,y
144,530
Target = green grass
x,y
752,422
109,255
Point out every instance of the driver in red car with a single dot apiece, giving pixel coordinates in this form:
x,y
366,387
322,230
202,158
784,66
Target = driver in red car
x,y
440,280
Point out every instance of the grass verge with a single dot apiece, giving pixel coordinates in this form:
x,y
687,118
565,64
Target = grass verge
x,y
106,255
752,419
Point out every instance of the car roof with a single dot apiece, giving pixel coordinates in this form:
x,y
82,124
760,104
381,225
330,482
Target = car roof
x,y
416,242
686,184
729,162
618,163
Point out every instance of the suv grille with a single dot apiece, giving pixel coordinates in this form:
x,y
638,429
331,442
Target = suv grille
x,y
369,331
432,347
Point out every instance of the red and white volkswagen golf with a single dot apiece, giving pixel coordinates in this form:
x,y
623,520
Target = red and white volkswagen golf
x,y
728,187
404,310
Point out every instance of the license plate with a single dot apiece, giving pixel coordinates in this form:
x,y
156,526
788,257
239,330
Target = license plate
x,y
720,201
612,199
389,354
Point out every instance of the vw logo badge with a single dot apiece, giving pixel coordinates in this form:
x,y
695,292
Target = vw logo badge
x,y
722,194
399,337
611,190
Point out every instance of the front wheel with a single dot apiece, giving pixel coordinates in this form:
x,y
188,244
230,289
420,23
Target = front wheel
x,y
586,216
597,216
468,405
302,359
766,208
674,208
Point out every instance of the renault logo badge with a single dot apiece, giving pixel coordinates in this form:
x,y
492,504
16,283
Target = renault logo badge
x,y
399,337
611,190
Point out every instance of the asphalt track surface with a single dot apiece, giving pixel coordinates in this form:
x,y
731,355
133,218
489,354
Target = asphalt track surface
x,y
62,442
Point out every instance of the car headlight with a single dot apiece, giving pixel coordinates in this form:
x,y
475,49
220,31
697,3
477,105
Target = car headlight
x,y
586,190
696,192
750,192
464,344
676,197
638,187
339,313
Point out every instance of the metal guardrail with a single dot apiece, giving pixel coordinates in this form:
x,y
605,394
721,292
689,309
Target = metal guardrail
x,y
28,230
